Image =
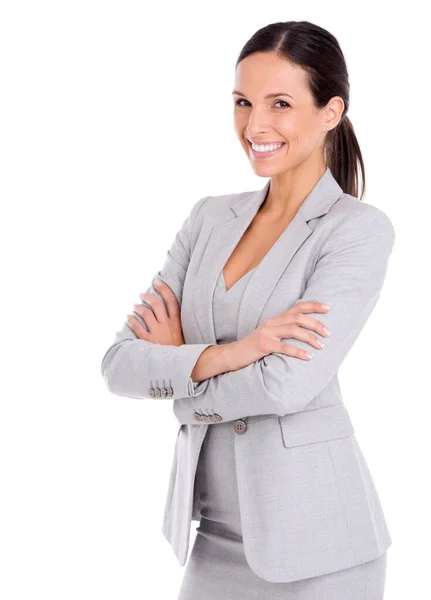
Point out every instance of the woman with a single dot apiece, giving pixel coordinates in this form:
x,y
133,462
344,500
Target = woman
x,y
266,457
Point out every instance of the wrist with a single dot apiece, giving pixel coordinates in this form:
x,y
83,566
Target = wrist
x,y
214,360
230,358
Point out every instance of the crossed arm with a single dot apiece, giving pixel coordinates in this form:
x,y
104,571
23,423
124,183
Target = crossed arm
x,y
349,275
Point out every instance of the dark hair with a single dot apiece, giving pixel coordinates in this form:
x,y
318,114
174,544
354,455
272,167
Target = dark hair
x,y
317,51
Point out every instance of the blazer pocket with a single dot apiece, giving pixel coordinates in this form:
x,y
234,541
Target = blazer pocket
x,y
317,425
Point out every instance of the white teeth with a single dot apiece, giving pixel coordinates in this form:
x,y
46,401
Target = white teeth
x,y
267,148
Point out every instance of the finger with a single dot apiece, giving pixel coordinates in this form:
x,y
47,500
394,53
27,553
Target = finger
x,y
172,306
138,329
313,324
290,350
158,309
295,317
308,307
147,315
298,333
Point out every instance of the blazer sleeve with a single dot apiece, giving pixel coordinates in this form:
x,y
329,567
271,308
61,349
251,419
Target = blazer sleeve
x,y
132,367
348,275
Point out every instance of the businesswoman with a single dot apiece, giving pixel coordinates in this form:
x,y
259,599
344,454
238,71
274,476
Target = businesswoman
x,y
260,299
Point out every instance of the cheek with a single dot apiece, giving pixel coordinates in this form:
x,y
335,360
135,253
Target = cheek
x,y
302,134
307,127
289,126
239,122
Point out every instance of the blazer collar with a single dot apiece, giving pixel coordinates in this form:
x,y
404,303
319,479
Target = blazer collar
x,y
222,238
317,203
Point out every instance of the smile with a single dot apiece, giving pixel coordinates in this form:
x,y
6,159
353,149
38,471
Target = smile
x,y
265,154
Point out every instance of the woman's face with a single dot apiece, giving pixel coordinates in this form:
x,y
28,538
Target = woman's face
x,y
264,113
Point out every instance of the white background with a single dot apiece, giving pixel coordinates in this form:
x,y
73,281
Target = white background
x,y
107,110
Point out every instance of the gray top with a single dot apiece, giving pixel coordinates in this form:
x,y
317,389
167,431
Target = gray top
x,y
308,501
225,307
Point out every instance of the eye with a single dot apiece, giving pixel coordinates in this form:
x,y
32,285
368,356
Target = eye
x,y
238,102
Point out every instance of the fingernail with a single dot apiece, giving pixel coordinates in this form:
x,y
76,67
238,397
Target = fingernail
x,y
326,305
157,283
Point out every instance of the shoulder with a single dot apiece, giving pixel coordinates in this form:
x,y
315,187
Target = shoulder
x,y
356,219
217,206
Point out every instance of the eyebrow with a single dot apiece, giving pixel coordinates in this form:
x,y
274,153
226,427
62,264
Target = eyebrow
x,y
238,93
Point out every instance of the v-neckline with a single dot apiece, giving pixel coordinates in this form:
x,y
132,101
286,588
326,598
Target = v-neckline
x,y
268,252
224,230
237,281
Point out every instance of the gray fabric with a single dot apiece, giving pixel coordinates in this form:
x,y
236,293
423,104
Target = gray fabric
x,y
308,502
226,306
131,366
217,568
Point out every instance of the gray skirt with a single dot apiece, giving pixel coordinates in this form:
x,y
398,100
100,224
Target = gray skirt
x,y
217,568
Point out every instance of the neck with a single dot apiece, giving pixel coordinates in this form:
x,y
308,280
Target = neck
x,y
288,191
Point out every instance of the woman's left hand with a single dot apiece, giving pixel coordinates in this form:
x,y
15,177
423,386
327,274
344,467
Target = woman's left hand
x,y
164,327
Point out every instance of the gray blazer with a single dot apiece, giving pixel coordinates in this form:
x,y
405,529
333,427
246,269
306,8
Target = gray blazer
x,y
308,502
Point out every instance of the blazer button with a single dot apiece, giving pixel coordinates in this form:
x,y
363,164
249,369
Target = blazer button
x,y
216,418
156,392
169,392
197,416
240,426
152,393
163,392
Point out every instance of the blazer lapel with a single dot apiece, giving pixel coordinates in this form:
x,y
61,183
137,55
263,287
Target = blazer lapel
x,y
225,235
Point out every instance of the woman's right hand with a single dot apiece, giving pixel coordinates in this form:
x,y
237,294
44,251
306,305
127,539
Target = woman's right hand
x,y
266,339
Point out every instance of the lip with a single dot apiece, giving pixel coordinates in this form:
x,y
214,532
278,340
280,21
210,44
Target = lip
x,y
257,154
262,143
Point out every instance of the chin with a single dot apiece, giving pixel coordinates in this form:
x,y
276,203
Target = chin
x,y
267,170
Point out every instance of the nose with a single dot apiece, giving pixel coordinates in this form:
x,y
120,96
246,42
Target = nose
x,y
258,118
258,126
